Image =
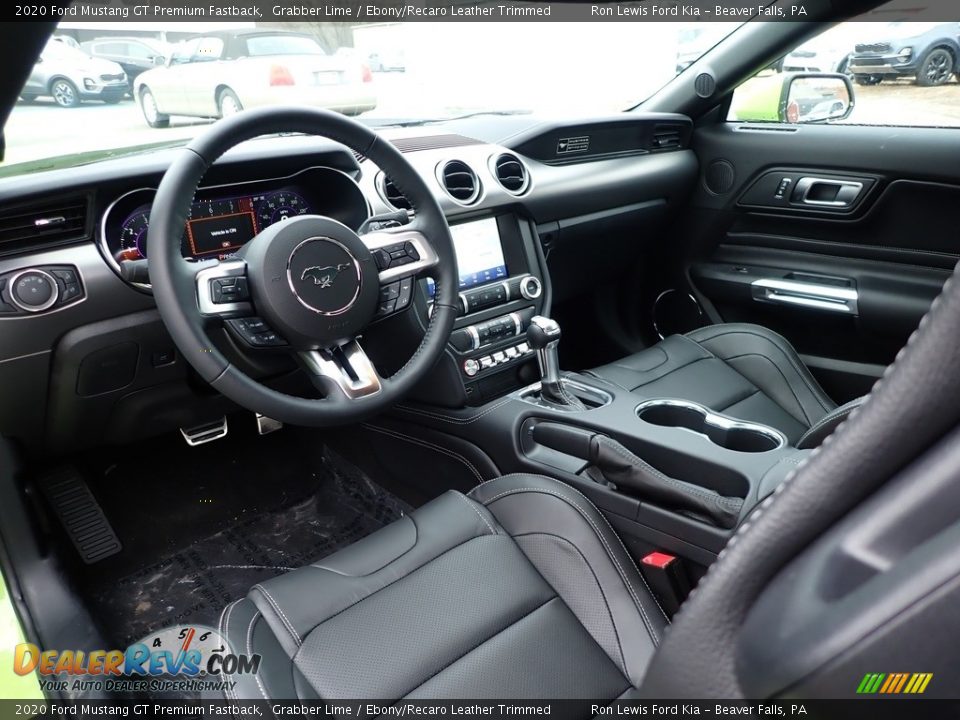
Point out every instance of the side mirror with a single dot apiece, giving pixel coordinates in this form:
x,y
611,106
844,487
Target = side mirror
x,y
159,60
794,98
816,97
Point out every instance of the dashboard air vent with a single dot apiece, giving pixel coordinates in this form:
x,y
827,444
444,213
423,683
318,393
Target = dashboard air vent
x,y
392,195
42,224
460,181
666,137
511,173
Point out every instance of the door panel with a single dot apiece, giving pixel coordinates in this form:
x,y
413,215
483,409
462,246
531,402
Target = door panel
x,y
847,277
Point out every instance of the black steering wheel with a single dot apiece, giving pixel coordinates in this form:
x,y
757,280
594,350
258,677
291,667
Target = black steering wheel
x,y
313,280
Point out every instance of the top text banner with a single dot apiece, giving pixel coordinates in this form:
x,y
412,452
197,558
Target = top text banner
x,y
463,10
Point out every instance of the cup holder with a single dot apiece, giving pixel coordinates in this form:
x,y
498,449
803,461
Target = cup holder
x,y
726,432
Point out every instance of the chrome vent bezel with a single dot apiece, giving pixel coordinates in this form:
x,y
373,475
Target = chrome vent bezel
x,y
460,168
391,199
496,161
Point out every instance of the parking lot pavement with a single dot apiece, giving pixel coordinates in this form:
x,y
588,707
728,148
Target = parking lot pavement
x,y
41,129
900,102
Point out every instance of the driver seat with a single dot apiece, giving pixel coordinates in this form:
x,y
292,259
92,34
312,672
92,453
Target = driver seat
x,y
520,589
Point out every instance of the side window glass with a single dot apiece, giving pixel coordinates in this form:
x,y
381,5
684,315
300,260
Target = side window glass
x,y
902,73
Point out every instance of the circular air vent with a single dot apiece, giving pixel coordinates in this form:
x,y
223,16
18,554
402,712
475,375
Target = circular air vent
x,y
511,173
391,195
460,181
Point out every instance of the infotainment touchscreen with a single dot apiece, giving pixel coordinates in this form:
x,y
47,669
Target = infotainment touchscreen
x,y
479,252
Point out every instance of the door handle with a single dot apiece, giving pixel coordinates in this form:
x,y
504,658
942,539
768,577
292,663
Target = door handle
x,y
808,295
827,192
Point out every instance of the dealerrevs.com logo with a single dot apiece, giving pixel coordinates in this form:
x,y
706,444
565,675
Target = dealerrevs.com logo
x,y
182,658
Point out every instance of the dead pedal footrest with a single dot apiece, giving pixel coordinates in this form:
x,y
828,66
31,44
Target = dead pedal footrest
x,y
81,515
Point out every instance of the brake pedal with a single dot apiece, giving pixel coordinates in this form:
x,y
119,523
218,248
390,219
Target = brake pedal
x,y
266,425
208,432
81,515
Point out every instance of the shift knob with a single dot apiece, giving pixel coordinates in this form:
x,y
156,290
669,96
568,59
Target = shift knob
x,y
542,331
543,335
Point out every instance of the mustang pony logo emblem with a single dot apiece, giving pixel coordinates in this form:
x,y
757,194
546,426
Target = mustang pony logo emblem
x,y
325,275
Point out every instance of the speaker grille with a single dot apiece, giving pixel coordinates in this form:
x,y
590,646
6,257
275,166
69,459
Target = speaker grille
x,y
719,177
704,85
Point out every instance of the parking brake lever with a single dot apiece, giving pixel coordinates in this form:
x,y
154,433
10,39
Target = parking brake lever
x,y
621,468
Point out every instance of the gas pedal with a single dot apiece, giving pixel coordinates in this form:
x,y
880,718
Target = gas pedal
x,y
208,432
81,515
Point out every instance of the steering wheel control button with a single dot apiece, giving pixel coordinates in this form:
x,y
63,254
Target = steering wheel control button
x,y
324,276
471,367
255,332
386,307
390,292
34,290
229,290
406,293
382,258
391,256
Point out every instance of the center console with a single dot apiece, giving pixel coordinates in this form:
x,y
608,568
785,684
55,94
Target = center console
x,y
671,475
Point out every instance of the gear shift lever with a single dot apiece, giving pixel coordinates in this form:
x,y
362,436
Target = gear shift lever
x,y
543,335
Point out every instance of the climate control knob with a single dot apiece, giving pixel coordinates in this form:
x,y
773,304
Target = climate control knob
x,y
34,290
531,288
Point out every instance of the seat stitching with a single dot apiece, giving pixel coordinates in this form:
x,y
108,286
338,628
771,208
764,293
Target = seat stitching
x,y
596,530
425,443
788,354
222,626
660,377
416,539
398,579
602,517
606,603
726,408
256,675
685,486
276,606
819,425
806,417
483,642
477,511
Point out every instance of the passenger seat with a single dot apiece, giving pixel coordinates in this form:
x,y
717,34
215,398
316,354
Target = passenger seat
x,y
744,371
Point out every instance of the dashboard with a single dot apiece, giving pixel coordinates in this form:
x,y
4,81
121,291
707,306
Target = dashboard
x,y
224,218
87,360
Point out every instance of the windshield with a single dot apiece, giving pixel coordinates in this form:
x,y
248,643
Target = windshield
x,y
382,73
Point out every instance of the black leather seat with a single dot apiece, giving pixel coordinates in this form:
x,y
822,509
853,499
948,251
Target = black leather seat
x,y
519,590
744,371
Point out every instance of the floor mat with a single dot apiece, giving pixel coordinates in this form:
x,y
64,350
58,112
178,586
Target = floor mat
x,y
307,504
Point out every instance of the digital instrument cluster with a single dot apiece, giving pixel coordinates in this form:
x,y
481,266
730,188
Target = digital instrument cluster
x,y
224,218
216,228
